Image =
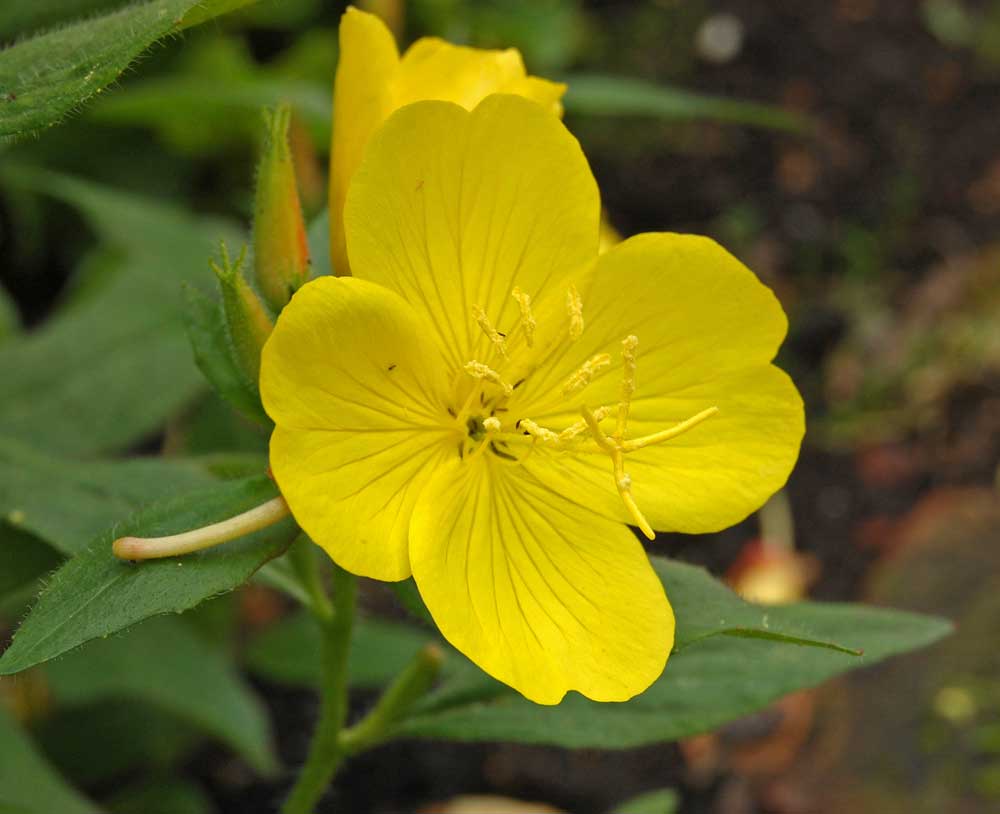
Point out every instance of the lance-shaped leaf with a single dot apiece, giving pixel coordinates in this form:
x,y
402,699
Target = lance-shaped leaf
x,y
94,594
66,503
45,77
596,95
110,370
732,658
165,663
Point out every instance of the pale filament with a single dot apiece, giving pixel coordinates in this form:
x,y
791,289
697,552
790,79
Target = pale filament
x,y
616,446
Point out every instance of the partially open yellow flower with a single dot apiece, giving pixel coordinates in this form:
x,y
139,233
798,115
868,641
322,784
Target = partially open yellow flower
x,y
373,81
487,402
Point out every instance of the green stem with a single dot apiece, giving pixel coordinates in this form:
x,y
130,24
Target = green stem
x,y
409,687
304,561
325,752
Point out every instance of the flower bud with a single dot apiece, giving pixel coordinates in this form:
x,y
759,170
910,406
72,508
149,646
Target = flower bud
x,y
281,253
248,322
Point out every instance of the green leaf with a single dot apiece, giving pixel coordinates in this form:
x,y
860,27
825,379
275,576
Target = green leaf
x,y
28,785
94,594
67,503
47,76
165,663
594,95
227,102
109,371
162,796
22,18
714,676
704,607
661,801
134,737
288,651
23,557
206,329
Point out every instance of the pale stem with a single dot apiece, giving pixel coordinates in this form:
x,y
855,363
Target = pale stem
x,y
149,548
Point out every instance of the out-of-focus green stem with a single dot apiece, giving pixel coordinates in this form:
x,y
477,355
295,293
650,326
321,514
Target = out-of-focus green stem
x,y
303,559
326,753
409,686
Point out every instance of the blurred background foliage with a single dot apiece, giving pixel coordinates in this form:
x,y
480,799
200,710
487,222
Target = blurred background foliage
x,y
846,150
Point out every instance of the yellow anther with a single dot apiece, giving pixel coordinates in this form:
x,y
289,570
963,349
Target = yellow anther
x,y
499,342
629,345
538,432
527,318
574,307
665,435
480,371
492,425
585,375
574,430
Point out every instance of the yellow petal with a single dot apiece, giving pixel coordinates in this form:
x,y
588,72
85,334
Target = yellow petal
x,y
453,209
541,593
372,81
707,331
352,379
434,69
361,101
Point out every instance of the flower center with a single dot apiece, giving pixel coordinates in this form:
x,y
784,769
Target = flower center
x,y
484,423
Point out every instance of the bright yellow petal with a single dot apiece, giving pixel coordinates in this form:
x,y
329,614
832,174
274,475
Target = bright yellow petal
x,y
352,379
707,331
451,209
548,94
434,69
361,101
539,592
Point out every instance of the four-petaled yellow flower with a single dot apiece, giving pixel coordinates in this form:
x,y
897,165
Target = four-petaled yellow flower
x,y
488,402
373,80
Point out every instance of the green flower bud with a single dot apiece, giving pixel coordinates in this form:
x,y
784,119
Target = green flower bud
x,y
281,253
248,321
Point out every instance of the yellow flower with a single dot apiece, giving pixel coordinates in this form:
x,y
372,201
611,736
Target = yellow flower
x,y
373,80
488,402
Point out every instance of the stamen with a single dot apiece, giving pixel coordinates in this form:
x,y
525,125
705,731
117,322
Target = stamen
x,y
585,375
527,318
494,335
537,432
623,481
492,426
665,435
573,430
574,306
480,371
629,345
